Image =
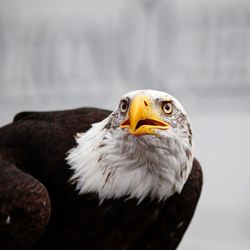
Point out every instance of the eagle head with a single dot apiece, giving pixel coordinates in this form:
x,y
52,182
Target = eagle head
x,y
142,149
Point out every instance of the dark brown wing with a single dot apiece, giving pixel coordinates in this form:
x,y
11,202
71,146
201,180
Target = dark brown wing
x,y
32,153
24,207
74,120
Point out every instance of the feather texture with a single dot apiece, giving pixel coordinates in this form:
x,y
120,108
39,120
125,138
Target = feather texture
x,y
35,176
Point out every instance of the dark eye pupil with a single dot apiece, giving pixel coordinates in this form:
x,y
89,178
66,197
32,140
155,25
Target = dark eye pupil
x,y
167,107
124,106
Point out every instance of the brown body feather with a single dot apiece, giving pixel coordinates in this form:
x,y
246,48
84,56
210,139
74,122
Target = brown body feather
x,y
40,209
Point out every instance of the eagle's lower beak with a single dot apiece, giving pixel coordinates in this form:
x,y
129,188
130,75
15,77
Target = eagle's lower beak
x,y
143,118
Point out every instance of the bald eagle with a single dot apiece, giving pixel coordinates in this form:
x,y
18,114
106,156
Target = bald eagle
x,y
94,179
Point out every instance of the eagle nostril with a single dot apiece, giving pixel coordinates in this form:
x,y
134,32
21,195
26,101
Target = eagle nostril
x,y
146,104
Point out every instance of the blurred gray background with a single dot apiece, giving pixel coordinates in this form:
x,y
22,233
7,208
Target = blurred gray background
x,y
60,54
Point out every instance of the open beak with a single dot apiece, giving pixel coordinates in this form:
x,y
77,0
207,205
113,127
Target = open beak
x,y
142,118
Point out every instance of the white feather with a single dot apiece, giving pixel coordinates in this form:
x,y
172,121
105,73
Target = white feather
x,y
115,165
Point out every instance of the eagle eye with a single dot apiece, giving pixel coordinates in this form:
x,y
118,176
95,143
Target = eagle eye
x,y
124,106
167,107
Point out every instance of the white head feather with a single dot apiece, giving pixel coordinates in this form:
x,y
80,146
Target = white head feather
x,y
112,163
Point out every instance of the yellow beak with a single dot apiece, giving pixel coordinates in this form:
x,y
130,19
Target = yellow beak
x,y
142,118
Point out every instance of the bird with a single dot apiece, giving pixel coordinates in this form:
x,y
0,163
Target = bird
x,y
90,178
